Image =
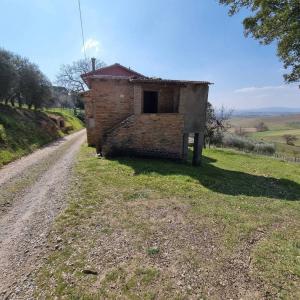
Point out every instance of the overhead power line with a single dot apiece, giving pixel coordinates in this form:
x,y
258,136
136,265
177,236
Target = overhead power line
x,y
82,35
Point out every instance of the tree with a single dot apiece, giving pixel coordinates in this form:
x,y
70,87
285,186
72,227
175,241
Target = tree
x,y
61,97
69,75
42,95
274,21
216,124
32,85
8,75
290,139
22,81
261,126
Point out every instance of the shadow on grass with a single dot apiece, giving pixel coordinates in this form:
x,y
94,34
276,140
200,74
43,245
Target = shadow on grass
x,y
219,180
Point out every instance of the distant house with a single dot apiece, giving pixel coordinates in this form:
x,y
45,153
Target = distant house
x,y
129,113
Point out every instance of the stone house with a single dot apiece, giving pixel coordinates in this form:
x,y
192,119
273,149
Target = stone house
x,y
129,113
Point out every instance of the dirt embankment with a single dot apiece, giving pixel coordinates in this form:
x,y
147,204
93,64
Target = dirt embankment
x,y
25,130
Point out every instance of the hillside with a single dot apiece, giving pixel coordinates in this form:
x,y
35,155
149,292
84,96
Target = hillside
x,y
278,126
23,130
273,122
267,111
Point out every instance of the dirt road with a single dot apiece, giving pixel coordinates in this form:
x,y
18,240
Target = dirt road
x,y
32,193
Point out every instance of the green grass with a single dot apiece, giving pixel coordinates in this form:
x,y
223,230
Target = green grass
x,y
277,135
155,229
288,150
23,130
68,116
278,127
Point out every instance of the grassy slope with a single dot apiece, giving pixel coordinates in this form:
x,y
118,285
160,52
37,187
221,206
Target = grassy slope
x,y
68,116
278,126
277,135
21,131
158,229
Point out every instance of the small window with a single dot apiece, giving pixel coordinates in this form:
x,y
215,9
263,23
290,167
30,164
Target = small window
x,y
150,102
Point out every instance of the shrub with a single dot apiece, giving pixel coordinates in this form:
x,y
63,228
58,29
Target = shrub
x,y
290,139
2,135
238,142
80,115
217,139
261,126
264,148
245,144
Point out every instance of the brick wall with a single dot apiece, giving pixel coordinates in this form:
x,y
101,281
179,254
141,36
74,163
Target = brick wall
x,y
168,98
89,117
115,124
109,102
155,135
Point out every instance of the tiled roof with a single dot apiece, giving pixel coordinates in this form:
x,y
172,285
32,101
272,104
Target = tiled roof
x,y
167,81
117,71
114,70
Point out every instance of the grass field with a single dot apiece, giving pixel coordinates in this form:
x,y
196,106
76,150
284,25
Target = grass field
x,y
273,122
278,127
155,229
23,130
277,135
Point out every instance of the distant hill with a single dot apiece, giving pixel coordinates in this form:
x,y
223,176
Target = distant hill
x,y
267,111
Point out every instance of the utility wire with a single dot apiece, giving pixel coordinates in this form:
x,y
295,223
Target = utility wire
x,y
82,35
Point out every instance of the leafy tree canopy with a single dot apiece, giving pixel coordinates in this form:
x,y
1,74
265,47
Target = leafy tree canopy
x,y
274,21
22,81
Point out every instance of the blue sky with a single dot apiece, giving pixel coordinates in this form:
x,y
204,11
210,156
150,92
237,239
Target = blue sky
x,y
191,39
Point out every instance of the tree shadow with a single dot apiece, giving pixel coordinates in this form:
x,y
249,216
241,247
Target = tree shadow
x,y
228,182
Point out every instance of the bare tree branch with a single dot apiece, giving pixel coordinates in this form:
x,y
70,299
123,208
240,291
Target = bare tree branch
x,y
69,74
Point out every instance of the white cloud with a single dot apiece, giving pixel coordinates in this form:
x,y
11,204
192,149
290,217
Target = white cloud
x,y
257,97
263,88
91,45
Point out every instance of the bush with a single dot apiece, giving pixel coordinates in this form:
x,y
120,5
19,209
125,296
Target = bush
x,y
238,142
261,126
245,144
290,139
264,148
217,139
80,115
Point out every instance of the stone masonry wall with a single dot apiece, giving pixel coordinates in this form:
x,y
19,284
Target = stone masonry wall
x,y
154,135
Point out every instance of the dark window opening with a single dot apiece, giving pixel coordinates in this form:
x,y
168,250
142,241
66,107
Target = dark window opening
x,y
150,102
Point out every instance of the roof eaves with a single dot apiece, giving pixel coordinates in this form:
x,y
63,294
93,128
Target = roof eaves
x,y
167,81
91,73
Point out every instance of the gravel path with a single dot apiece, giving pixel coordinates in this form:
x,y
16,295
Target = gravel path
x,y
32,193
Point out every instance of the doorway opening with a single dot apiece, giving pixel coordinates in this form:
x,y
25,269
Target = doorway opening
x,y
150,102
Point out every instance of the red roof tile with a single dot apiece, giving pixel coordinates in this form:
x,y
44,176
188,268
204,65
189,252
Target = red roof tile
x,y
114,70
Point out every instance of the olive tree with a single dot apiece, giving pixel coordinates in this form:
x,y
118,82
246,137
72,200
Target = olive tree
x,y
22,81
8,76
